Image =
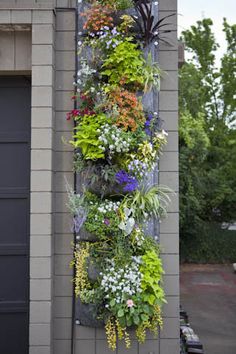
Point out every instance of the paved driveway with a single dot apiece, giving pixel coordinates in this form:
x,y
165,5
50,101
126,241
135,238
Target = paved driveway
x,y
208,294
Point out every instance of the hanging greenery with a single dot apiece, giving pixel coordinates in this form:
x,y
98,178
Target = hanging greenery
x,y
117,144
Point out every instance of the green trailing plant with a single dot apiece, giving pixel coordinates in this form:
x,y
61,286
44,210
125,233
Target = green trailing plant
x,y
127,66
86,136
152,271
124,66
79,262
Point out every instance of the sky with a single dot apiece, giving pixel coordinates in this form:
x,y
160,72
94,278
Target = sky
x,y
190,11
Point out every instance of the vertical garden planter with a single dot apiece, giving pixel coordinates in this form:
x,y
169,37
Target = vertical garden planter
x,y
117,140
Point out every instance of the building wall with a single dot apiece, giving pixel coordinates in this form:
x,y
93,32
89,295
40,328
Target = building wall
x,y
65,70
27,47
168,167
50,40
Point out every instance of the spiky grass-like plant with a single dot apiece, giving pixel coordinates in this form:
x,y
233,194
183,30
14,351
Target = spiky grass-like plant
x,y
150,30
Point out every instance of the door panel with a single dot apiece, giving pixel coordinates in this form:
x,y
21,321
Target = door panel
x,y
17,325
12,275
15,129
13,221
14,165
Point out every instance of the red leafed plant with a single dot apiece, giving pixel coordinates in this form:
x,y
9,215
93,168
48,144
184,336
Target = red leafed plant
x,y
86,107
97,17
129,109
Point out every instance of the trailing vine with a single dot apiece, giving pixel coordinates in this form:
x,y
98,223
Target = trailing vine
x,y
117,143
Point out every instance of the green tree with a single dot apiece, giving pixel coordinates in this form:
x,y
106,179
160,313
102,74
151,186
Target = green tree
x,y
194,144
228,77
207,135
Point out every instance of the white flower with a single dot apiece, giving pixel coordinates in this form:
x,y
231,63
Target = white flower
x,y
164,132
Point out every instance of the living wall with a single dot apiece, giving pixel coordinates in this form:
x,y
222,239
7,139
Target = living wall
x,y
118,140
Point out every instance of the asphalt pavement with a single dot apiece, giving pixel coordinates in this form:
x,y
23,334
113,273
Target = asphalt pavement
x,y
208,294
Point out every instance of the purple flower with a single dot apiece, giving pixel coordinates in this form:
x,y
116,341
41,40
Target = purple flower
x,y
79,219
114,31
129,182
122,177
107,222
132,185
148,124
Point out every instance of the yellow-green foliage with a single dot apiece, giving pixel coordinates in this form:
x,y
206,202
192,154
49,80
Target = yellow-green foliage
x,y
79,262
86,136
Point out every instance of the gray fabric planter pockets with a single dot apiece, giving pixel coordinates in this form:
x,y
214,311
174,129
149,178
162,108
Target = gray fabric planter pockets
x,y
93,270
87,315
85,236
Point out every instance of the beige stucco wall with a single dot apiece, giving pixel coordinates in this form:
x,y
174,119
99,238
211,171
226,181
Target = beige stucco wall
x,y
27,46
50,46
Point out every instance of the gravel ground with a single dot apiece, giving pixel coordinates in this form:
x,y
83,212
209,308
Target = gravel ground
x,y
208,294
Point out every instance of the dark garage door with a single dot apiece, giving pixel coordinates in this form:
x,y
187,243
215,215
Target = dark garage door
x,y
14,213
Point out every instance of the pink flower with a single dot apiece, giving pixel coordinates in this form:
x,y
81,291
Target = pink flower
x,y
130,303
107,222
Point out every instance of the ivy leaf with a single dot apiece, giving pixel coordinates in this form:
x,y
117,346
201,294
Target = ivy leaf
x,y
112,303
129,322
120,313
151,299
122,322
144,317
132,310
